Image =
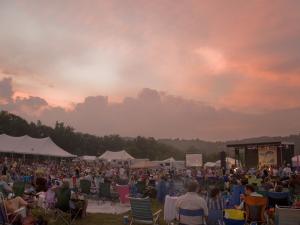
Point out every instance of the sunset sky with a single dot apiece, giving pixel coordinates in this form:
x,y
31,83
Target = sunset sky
x,y
165,68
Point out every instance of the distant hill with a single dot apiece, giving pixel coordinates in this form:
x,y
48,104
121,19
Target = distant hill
x,y
213,148
140,147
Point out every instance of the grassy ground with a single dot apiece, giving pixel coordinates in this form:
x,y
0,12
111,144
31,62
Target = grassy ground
x,y
98,219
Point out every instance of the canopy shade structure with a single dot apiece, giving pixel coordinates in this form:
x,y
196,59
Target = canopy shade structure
x,y
169,160
144,165
88,158
209,164
26,145
229,162
118,156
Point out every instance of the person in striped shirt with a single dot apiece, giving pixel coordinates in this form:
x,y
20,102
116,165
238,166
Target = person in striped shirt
x,y
215,200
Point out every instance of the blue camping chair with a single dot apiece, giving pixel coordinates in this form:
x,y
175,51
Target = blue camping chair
x,y
237,190
234,222
191,213
215,217
278,198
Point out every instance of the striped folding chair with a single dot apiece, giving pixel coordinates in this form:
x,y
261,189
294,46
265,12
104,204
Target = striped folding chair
x,y
255,209
141,212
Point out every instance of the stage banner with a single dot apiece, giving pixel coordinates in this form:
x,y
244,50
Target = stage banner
x,y
267,155
193,160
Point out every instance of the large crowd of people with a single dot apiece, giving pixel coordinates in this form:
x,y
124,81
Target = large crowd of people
x,y
206,188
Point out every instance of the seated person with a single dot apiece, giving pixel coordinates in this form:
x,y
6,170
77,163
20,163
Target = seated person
x,y
64,202
41,183
215,201
63,196
295,184
4,187
15,205
278,188
249,191
267,185
192,201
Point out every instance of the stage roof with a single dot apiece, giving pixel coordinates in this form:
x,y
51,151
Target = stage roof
x,y
274,143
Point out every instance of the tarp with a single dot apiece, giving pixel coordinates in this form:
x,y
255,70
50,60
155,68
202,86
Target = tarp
x,y
118,156
31,146
296,161
88,158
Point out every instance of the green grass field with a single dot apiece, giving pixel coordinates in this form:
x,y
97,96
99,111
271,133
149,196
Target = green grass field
x,y
97,219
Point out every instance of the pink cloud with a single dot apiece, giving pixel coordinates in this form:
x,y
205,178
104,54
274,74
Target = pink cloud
x,y
236,54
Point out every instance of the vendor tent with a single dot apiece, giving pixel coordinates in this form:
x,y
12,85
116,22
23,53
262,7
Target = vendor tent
x,y
296,161
117,156
209,165
144,164
26,145
169,160
229,162
88,158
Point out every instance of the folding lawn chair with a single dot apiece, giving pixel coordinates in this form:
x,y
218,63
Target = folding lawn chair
x,y
65,209
255,209
141,212
191,213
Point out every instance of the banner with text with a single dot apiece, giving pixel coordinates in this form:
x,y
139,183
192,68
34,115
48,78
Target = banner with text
x,y
193,160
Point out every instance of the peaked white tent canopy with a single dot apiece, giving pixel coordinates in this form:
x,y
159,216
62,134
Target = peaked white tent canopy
x,y
118,156
31,146
88,158
169,160
144,164
229,161
209,164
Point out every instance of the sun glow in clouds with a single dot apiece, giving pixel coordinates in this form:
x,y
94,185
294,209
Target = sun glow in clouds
x,y
212,59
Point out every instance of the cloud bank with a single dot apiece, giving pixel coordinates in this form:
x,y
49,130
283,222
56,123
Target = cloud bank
x,y
152,113
235,54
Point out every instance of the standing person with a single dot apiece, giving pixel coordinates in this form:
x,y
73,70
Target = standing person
x,y
162,189
4,169
192,201
215,200
215,204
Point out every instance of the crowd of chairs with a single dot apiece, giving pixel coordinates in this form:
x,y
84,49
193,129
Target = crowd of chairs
x,y
256,209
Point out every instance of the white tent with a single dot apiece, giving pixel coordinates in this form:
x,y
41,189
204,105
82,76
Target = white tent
x,y
117,156
169,160
144,164
229,162
209,164
296,161
88,158
31,146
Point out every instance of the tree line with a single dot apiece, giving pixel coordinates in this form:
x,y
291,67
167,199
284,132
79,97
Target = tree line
x,y
86,144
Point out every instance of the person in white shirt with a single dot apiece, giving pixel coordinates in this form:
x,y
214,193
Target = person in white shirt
x,y
192,201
